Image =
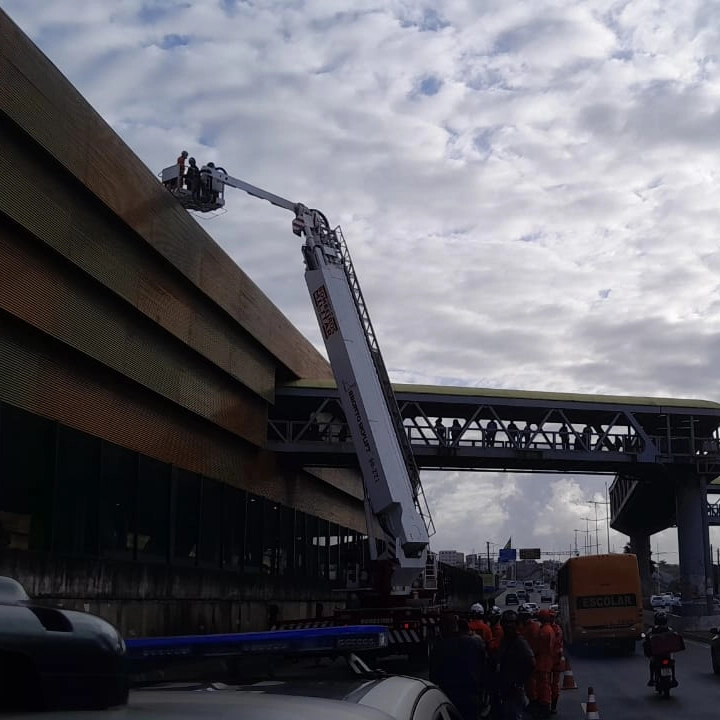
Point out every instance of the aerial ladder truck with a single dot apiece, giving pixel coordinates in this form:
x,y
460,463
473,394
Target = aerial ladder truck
x,y
394,497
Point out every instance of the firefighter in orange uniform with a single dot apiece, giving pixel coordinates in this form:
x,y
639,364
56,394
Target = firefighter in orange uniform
x,y
558,663
529,629
495,630
478,625
545,658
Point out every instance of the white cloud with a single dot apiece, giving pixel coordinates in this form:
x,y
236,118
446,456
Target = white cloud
x,y
547,219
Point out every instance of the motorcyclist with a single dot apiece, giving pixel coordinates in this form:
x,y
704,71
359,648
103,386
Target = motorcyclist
x,y
660,626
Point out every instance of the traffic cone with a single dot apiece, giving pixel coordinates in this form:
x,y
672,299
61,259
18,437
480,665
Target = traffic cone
x,y
591,709
568,677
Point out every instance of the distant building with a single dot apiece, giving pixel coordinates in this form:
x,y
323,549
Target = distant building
x,y
452,557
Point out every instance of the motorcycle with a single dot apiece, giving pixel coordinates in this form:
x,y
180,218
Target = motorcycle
x,y
663,663
664,675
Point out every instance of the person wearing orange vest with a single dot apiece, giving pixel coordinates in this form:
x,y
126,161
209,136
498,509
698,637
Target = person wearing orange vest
x,y
529,629
496,630
558,663
478,625
545,657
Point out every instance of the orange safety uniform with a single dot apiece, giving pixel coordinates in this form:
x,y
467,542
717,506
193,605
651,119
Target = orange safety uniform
x,y
481,628
530,631
559,661
545,657
497,636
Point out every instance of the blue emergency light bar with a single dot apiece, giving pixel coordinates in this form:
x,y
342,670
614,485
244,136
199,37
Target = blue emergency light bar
x,y
336,640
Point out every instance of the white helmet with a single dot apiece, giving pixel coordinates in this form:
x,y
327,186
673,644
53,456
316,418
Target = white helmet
x,y
477,609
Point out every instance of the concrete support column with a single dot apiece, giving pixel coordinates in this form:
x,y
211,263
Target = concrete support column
x,y
640,545
694,545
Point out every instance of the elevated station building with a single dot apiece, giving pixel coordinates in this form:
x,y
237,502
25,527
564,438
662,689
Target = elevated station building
x,y
137,366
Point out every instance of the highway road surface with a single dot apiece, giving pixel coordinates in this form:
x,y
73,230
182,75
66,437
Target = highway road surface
x,y
620,684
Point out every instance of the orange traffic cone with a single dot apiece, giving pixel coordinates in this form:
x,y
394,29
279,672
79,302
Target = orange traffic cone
x,y
568,677
591,709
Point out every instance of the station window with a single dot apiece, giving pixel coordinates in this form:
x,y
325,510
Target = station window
x,y
153,509
186,513
254,534
287,541
322,542
312,546
27,466
333,552
234,528
271,538
118,470
211,524
300,545
77,497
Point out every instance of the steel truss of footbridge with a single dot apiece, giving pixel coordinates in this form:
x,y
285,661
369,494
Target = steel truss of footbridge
x,y
646,443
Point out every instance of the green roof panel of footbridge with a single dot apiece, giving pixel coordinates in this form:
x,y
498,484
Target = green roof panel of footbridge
x,y
559,397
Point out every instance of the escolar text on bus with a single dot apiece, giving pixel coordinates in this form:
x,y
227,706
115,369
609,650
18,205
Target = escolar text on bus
x,y
590,602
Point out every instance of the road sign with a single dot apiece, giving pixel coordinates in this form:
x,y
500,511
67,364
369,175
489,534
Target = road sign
x,y
507,555
529,553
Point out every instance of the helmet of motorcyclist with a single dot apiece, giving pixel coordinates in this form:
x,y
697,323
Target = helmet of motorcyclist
x,y
660,618
477,609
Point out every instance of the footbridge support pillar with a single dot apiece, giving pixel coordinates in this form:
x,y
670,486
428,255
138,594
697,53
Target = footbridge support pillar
x,y
640,546
693,545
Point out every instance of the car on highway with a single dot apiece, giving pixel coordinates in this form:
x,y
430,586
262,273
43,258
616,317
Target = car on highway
x,y
529,607
511,598
511,583
546,595
715,650
659,601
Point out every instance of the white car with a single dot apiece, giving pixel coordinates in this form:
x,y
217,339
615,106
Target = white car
x,y
511,583
529,607
660,601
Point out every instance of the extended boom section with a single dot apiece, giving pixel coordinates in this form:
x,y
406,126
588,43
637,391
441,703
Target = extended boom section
x,y
393,493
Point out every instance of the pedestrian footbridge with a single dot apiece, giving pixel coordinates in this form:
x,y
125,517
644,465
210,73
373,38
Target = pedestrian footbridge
x,y
662,452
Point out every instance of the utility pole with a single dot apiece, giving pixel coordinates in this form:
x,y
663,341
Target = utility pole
x,y
488,556
597,520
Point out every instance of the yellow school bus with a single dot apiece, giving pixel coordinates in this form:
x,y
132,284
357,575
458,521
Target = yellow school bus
x,y
601,601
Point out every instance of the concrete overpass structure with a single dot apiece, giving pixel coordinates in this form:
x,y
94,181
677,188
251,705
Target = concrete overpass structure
x,y
662,452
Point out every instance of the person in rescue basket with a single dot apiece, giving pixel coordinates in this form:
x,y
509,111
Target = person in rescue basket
x,y
515,663
458,667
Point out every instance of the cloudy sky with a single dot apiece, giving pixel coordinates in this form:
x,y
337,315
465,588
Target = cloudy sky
x,y
530,189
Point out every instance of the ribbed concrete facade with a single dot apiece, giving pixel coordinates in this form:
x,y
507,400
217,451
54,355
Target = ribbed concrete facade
x,y
125,328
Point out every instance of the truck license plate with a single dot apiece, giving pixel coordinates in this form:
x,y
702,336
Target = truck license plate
x,y
665,672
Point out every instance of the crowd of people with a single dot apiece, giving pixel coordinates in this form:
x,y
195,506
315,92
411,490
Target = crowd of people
x,y
564,438
499,665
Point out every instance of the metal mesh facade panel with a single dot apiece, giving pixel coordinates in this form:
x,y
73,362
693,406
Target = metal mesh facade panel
x,y
36,97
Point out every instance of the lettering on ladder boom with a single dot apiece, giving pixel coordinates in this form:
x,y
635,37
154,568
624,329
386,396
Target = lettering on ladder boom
x,y
328,321
363,432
